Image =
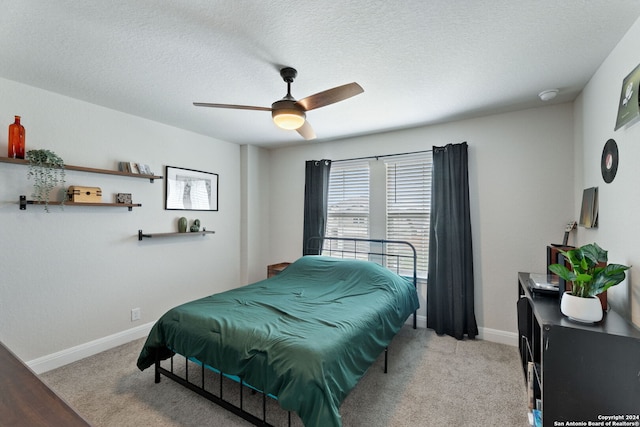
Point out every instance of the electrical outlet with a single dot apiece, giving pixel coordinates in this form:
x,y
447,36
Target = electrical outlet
x,y
135,314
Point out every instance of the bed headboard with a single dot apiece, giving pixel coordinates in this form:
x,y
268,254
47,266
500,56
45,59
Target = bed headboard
x,y
398,256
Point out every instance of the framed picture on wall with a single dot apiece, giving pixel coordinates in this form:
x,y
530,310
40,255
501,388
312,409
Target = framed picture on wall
x,y
628,107
191,190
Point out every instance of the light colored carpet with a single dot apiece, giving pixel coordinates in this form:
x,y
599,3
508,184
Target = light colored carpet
x,y
432,381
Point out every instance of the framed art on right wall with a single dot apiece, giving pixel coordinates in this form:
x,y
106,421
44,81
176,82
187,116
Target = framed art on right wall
x,y
589,210
628,108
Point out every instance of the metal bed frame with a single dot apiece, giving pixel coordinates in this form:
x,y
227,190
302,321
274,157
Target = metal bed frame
x,y
330,246
381,256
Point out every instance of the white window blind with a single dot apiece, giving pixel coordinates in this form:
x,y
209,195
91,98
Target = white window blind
x,y
409,203
403,189
348,204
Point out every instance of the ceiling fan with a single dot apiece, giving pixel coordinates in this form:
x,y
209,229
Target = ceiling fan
x,y
288,113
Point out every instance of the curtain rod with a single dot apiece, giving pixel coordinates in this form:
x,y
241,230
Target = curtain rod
x,y
380,156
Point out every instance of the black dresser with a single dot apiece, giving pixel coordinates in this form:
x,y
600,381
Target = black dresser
x,y
582,373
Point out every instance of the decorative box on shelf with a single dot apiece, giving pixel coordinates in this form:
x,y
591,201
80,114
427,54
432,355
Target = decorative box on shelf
x,y
78,194
123,198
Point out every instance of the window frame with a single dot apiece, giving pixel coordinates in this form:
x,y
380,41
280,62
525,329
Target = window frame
x,y
378,204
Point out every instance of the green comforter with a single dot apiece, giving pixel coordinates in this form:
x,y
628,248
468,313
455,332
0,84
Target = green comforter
x,y
306,335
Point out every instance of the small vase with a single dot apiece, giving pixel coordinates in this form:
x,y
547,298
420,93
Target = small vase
x,y
16,140
586,310
182,225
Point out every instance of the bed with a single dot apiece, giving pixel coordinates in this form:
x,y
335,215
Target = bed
x,y
304,337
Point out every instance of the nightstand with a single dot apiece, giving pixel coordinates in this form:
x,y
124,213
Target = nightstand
x,y
274,269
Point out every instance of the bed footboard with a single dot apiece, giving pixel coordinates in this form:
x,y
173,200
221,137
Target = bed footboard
x,y
224,383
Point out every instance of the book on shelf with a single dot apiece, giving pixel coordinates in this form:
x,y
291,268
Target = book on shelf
x,y
134,167
144,169
124,167
531,378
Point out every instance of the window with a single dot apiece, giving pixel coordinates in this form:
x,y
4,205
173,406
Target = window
x,y
383,199
408,204
348,202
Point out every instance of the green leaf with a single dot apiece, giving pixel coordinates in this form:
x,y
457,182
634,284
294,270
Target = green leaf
x,y
563,272
595,254
583,277
610,276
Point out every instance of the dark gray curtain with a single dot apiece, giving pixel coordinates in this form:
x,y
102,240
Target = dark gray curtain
x,y
316,192
450,299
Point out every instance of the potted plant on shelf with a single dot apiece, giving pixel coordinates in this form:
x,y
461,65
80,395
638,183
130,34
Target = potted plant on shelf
x,y
590,276
47,170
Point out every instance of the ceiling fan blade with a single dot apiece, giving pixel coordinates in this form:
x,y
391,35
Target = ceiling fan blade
x,y
237,107
331,96
306,131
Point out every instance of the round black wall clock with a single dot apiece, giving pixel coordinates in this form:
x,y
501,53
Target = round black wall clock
x,y
609,161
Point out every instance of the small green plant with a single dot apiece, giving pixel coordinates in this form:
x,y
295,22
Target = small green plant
x,y
590,274
47,170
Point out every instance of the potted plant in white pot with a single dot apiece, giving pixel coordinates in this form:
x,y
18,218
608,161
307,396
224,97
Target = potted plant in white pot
x,y
590,275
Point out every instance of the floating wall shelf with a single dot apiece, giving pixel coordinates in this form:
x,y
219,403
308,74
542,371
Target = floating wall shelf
x,y
24,202
141,235
85,169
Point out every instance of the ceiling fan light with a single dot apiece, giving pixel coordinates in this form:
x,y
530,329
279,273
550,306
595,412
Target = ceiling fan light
x,y
289,119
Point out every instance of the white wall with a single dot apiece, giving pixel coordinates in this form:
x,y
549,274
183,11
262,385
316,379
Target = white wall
x,y
255,206
71,277
521,190
596,111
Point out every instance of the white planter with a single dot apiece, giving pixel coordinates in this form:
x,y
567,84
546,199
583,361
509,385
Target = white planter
x,y
586,310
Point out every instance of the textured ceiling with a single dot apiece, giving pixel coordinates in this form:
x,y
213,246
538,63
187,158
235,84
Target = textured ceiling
x,y
419,61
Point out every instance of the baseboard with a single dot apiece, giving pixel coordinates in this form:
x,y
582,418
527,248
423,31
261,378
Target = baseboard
x,y
487,334
421,321
73,354
498,336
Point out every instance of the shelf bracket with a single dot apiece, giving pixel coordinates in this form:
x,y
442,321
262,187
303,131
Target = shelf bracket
x,y
23,202
140,235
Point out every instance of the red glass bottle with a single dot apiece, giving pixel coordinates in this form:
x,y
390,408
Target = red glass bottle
x,y
16,139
